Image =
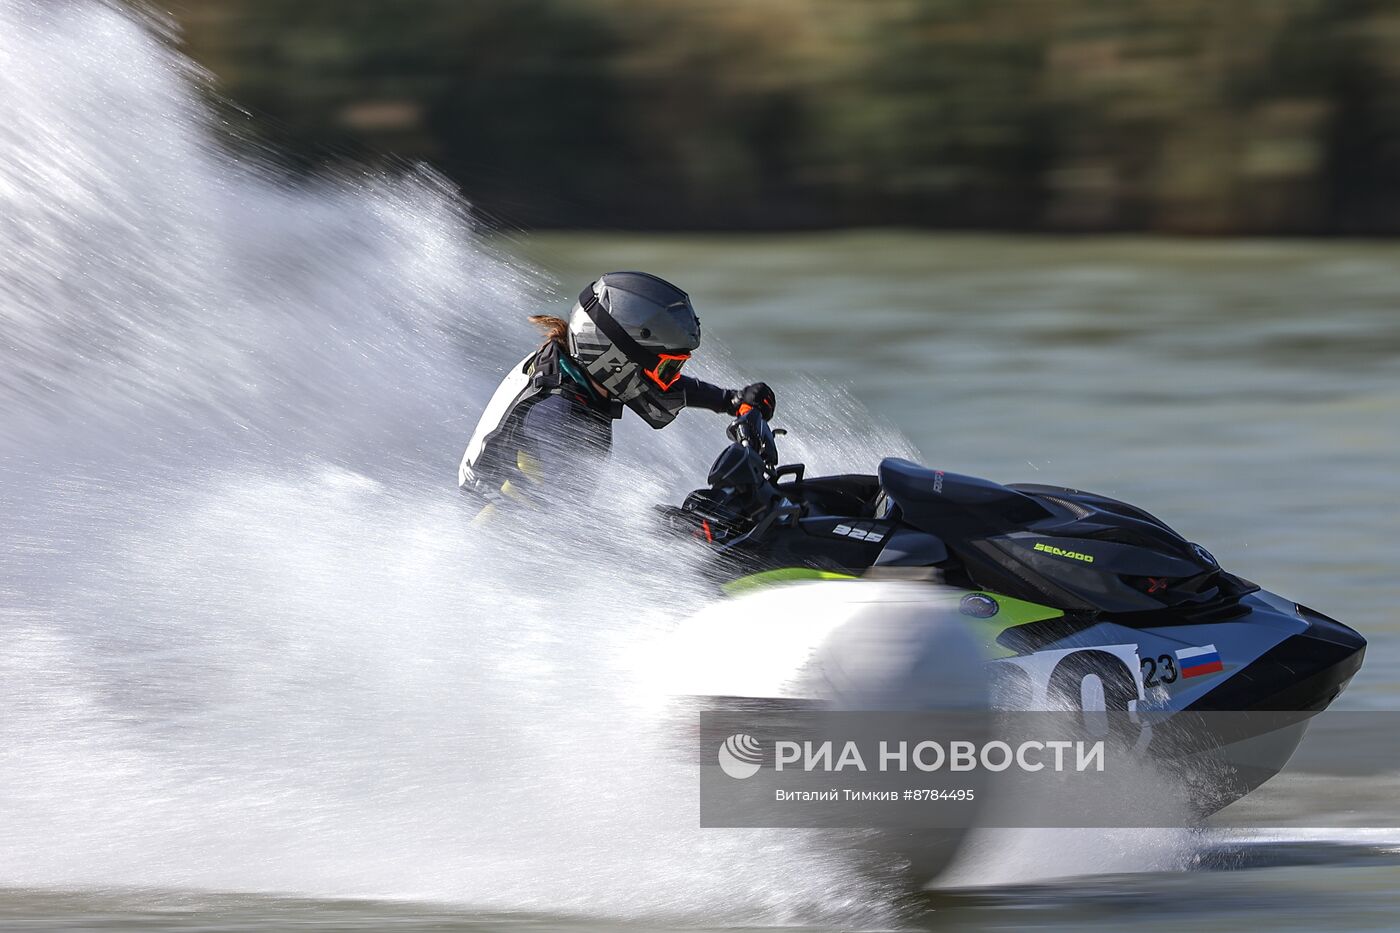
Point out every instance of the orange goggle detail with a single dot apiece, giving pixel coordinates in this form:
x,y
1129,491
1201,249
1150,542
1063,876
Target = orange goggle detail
x,y
668,369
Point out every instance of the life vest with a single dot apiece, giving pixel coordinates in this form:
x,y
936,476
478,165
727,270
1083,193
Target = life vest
x,y
492,456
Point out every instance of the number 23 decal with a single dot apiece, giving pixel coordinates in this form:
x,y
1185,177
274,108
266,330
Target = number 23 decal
x,y
1151,670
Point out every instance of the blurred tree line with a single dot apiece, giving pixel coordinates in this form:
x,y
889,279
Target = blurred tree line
x,y
1203,116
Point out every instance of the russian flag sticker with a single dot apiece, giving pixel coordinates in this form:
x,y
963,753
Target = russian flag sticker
x,y
1197,661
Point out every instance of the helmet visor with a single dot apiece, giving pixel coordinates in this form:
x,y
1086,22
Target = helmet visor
x,y
668,369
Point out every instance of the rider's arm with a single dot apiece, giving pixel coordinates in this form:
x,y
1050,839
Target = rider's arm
x,y
704,395
727,401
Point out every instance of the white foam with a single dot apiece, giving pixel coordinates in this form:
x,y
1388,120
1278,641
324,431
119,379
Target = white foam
x,y
250,642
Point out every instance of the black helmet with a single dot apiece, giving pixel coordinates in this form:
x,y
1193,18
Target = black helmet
x,y
633,333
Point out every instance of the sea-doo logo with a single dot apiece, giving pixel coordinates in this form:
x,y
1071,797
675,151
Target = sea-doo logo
x,y
740,756
1061,552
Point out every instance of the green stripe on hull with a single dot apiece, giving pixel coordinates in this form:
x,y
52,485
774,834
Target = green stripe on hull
x,y
1010,613
784,575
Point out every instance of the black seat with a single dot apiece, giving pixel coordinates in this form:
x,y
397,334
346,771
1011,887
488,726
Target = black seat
x,y
849,494
939,502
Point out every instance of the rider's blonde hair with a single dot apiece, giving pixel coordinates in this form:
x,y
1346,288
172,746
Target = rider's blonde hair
x,y
555,328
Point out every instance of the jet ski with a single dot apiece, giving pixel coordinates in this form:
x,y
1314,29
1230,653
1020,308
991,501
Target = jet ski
x,y
1055,583
1074,601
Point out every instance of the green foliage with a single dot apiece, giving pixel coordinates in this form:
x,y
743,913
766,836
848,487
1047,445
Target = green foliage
x,y
1180,115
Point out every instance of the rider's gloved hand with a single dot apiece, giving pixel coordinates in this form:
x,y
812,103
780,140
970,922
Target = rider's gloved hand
x,y
756,395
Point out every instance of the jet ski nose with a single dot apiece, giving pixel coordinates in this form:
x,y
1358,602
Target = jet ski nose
x,y
1333,653
1327,629
1338,638
1303,673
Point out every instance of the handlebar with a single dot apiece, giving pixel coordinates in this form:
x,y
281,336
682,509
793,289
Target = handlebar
x,y
748,429
752,458
743,500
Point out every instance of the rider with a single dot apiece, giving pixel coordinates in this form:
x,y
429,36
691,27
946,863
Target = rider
x,y
548,427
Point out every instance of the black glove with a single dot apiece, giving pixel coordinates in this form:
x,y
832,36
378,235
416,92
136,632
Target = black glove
x,y
756,395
